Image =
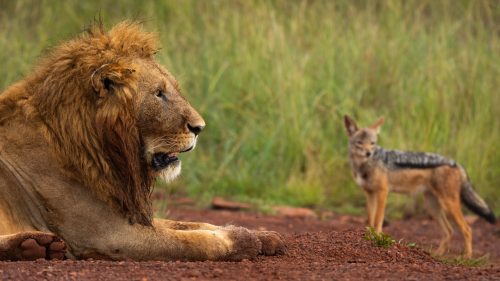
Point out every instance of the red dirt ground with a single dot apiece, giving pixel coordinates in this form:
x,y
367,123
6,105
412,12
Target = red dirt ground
x,y
326,249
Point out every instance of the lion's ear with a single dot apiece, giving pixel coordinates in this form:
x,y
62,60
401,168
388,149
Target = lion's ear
x,y
109,76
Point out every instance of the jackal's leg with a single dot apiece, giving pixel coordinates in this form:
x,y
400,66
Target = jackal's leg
x,y
381,198
371,204
453,206
448,232
31,245
437,211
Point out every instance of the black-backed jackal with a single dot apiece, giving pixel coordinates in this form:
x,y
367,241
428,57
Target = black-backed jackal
x,y
443,181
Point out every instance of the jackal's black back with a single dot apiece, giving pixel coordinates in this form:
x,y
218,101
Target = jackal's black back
x,y
395,159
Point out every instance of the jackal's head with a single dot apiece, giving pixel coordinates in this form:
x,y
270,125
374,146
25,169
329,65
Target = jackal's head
x,y
362,142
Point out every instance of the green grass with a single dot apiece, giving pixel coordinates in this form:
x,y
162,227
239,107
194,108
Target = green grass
x,y
460,261
381,239
274,78
411,245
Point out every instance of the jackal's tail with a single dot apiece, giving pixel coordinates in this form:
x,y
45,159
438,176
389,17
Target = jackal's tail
x,y
475,203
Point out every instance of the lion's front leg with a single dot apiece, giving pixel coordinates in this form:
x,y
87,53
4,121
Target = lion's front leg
x,y
272,242
161,242
228,243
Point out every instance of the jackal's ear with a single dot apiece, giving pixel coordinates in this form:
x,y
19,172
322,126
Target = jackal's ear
x,y
350,125
376,126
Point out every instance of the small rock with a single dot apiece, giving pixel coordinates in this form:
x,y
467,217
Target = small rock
x,y
219,203
295,212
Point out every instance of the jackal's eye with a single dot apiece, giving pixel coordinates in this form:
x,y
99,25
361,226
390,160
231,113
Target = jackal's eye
x,y
373,143
359,142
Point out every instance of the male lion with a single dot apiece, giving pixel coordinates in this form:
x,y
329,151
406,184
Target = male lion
x,y
81,140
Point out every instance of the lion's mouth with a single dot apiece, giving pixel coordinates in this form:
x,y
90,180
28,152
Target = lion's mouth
x,y
162,160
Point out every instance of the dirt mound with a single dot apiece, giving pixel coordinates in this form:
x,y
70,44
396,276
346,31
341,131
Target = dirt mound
x,y
317,250
351,247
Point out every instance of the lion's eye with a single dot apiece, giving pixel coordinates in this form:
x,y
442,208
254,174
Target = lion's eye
x,y
160,94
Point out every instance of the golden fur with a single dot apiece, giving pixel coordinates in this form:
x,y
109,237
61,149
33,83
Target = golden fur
x,y
82,139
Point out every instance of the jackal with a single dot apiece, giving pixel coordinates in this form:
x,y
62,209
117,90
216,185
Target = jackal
x,y
443,182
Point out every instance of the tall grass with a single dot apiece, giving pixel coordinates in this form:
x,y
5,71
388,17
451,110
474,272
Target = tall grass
x,y
274,78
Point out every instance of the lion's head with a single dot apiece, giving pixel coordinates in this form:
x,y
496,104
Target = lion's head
x,y
114,117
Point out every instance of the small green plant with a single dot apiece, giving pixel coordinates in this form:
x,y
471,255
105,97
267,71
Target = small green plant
x,y
411,244
461,261
379,239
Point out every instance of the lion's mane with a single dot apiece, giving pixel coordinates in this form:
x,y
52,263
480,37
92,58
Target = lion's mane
x,y
83,95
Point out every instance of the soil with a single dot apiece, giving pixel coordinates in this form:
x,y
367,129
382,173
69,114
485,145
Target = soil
x,y
329,248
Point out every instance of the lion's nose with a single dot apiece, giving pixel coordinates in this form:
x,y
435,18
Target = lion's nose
x,y
195,129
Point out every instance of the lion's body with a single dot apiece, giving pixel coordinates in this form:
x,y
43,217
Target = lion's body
x,y
81,140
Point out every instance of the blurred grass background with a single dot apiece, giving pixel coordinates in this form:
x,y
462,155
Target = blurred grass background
x,y
274,78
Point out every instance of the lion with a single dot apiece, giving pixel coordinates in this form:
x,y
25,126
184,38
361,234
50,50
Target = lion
x,y
83,137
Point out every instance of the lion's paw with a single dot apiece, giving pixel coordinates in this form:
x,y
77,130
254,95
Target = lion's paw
x,y
272,243
246,245
36,245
